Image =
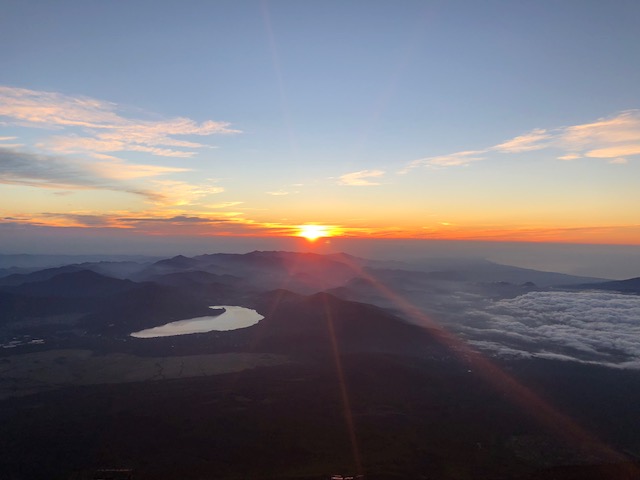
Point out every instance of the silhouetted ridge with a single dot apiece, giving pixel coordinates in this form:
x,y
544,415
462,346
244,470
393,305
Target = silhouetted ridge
x,y
266,270
41,275
310,324
148,305
83,283
631,285
194,277
179,262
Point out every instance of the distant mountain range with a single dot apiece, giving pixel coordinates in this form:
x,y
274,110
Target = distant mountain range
x,y
128,294
631,285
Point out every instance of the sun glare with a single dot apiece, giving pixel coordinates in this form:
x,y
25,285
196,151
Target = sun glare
x,y
313,232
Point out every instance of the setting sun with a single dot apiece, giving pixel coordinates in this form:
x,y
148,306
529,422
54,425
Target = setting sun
x,y
313,232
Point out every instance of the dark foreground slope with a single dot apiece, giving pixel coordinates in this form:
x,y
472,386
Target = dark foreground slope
x,y
388,416
323,323
348,400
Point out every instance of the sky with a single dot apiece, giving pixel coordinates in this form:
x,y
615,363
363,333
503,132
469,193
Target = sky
x,y
436,120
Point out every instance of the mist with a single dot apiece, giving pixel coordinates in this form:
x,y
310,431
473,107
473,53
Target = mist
x,y
615,262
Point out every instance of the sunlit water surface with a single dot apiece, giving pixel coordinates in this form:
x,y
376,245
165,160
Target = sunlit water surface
x,y
232,319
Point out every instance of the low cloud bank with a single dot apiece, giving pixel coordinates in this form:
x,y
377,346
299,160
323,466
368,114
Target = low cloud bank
x,y
587,327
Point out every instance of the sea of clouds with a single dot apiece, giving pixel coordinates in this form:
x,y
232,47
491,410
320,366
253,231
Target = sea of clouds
x,y
589,327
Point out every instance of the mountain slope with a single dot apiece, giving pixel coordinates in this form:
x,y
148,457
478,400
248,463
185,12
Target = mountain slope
x,y
322,323
631,285
74,284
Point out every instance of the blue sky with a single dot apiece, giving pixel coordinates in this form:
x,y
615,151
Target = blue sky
x,y
458,119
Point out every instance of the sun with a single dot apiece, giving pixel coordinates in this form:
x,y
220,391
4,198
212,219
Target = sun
x,y
313,232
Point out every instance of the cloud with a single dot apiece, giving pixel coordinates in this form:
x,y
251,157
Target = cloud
x,y
97,126
178,219
48,171
151,223
157,222
591,327
110,173
223,205
534,140
147,222
115,168
616,151
278,193
618,161
88,131
81,220
618,129
452,160
9,145
361,178
172,192
614,137
570,156
52,110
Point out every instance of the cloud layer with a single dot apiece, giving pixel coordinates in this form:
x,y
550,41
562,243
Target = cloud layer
x,y
80,136
613,139
47,171
361,178
591,327
91,125
20,168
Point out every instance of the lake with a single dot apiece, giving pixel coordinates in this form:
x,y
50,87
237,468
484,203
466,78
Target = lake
x,y
232,319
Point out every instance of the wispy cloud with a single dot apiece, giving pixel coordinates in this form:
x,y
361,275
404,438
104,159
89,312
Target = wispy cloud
x,y
622,128
615,151
614,139
452,160
88,132
172,192
176,220
20,168
4,144
147,222
280,193
93,125
154,222
115,168
216,206
618,161
570,156
361,178
79,219
534,140
48,171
